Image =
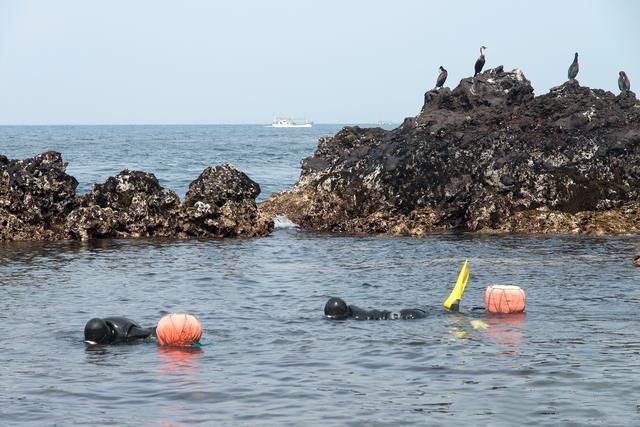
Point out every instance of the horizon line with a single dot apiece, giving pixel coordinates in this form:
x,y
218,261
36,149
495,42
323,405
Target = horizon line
x,y
190,124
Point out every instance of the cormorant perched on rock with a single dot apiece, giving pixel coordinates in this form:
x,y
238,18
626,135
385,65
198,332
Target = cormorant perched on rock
x,y
574,68
623,82
480,61
442,77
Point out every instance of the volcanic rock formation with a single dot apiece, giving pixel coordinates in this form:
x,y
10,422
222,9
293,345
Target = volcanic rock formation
x,y
222,202
131,204
38,202
487,156
36,195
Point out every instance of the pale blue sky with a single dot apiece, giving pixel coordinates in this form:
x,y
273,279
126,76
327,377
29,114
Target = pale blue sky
x,y
241,61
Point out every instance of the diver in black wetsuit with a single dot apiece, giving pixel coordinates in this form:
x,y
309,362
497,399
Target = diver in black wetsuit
x,y
114,330
337,309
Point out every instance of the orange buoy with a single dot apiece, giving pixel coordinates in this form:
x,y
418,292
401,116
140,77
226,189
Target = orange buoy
x,y
504,299
179,329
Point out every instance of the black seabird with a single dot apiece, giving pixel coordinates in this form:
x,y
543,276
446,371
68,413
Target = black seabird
x,y
574,68
623,82
480,61
442,77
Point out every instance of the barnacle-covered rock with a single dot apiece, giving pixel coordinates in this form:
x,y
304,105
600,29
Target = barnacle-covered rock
x,y
38,202
36,195
222,202
487,156
131,204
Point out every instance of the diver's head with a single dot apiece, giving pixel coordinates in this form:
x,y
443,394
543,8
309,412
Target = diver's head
x,y
336,308
96,331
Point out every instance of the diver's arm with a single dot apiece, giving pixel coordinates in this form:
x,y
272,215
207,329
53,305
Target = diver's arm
x,y
412,313
360,314
137,332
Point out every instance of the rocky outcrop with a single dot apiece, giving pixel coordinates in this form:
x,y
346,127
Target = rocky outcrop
x,y
131,204
487,156
36,195
636,260
38,202
221,202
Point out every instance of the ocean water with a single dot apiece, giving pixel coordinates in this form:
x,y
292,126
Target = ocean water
x,y
269,356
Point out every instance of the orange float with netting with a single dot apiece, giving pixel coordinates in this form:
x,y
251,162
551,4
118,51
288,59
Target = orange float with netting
x,y
504,299
178,329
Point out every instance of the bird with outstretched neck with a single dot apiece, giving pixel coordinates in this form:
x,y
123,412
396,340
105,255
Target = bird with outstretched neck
x,y
480,61
442,77
573,68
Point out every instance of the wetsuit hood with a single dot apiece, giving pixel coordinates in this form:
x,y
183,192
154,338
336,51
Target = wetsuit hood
x,y
336,308
97,331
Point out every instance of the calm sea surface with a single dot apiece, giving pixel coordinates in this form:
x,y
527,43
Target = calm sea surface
x,y
269,356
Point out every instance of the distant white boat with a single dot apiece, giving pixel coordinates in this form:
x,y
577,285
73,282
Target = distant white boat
x,y
283,122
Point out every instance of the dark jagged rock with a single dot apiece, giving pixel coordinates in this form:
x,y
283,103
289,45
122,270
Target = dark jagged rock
x,y
487,156
492,88
131,204
636,260
219,184
35,197
221,202
38,202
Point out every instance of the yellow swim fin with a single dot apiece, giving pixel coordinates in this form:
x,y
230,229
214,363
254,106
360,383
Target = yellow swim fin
x,y
453,302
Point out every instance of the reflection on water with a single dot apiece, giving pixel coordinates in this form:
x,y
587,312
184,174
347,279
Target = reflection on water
x,y
179,360
506,331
